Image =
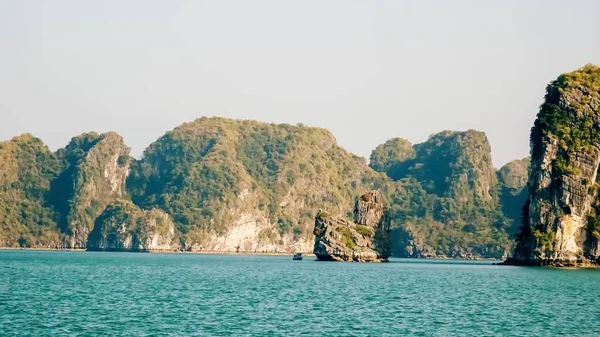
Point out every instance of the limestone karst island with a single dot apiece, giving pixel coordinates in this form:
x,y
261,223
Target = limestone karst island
x,y
274,168
223,185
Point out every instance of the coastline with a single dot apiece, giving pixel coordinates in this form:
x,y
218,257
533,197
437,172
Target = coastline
x,y
248,253
207,252
44,249
305,254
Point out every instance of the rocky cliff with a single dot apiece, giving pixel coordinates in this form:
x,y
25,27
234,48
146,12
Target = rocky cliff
x,y
226,185
247,186
560,225
366,239
94,172
125,227
446,199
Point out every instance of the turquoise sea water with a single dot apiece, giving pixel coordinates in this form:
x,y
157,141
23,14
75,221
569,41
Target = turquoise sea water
x,y
129,294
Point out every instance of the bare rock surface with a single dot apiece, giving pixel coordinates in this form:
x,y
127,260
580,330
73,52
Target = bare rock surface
x,y
366,239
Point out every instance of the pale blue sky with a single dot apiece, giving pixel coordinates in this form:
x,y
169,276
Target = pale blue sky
x,y
366,70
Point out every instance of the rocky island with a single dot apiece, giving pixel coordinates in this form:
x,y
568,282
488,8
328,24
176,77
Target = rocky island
x,y
366,239
561,218
224,185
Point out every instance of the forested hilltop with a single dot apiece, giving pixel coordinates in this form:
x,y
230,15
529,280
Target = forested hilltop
x,y
448,199
218,184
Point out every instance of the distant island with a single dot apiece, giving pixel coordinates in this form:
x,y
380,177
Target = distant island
x,y
226,185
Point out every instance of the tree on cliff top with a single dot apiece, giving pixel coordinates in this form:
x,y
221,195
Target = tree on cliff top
x,y
390,154
568,98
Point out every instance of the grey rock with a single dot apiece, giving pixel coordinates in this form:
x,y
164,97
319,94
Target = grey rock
x,y
366,239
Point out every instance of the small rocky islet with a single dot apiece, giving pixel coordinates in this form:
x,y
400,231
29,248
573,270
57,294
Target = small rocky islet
x,y
365,239
225,185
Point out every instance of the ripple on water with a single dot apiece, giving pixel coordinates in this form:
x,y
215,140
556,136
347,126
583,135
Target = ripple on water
x,y
116,294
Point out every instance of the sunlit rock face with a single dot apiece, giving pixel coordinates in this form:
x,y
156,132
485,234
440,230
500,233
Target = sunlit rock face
x,y
366,239
125,227
95,171
561,226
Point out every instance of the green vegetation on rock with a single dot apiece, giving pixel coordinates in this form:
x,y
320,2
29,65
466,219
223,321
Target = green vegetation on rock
x,y
446,199
512,178
213,174
544,239
563,196
124,226
207,172
594,222
347,237
566,116
387,156
94,169
26,168
365,231
208,177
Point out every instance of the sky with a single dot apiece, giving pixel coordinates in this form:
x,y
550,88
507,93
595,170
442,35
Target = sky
x,y
366,70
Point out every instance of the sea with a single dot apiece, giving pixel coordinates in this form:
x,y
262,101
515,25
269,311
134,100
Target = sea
x,y
64,293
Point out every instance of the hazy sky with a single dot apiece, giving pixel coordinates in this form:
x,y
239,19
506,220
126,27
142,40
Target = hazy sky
x,y
366,70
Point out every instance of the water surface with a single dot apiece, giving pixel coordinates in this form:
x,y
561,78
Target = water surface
x,y
129,294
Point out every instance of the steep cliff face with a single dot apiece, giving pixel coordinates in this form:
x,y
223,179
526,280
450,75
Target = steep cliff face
x,y
445,202
227,185
456,165
560,220
125,227
250,230
364,240
247,186
95,169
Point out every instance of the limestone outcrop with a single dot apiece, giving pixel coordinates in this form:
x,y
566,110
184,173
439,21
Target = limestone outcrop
x,y
445,202
95,171
124,227
366,239
512,179
560,219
